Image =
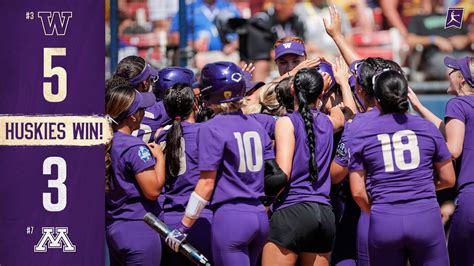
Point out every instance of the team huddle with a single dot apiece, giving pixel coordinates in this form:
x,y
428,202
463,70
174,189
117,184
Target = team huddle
x,y
243,170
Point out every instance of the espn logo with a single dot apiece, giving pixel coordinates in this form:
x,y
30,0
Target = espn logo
x,y
55,237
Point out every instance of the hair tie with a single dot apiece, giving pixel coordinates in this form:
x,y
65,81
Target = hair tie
x,y
177,118
110,120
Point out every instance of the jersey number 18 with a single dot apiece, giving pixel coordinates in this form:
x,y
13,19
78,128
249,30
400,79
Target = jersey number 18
x,y
398,148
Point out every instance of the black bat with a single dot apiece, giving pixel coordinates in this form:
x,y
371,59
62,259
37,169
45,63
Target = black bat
x,y
185,248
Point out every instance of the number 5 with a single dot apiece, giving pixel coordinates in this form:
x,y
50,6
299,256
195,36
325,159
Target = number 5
x,y
49,71
57,184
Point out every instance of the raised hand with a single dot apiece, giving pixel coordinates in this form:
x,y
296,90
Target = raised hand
x,y
340,70
308,63
415,102
248,67
333,28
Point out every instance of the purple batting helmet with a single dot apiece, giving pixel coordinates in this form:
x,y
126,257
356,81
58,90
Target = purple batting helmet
x,y
326,67
172,75
221,82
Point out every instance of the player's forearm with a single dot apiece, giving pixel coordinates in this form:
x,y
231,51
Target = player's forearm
x,y
346,50
428,115
160,172
363,201
348,100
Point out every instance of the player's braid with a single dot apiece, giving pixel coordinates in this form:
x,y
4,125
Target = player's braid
x,y
178,101
302,91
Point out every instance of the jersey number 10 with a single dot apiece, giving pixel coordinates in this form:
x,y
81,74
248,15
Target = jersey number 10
x,y
247,160
398,148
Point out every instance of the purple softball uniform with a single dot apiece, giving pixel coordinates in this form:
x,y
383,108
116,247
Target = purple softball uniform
x,y
342,158
129,239
236,146
155,118
461,237
177,191
300,188
267,121
398,152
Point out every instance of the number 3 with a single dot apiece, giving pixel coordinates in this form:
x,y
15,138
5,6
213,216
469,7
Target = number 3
x,y
398,149
57,184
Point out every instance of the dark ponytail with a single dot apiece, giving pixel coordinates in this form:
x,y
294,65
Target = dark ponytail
x,y
178,102
283,92
308,84
391,90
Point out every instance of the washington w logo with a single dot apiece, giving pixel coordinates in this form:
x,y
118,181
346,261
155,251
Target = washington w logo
x,y
287,45
57,240
54,23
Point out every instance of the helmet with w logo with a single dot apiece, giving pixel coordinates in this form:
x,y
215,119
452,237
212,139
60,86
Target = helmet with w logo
x,y
221,82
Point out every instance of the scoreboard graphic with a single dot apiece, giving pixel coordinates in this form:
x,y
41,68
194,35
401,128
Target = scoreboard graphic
x,y
52,133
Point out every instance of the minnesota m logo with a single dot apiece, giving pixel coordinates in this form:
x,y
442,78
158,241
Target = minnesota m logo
x,y
54,23
58,239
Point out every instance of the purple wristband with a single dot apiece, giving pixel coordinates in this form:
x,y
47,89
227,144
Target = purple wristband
x,y
183,228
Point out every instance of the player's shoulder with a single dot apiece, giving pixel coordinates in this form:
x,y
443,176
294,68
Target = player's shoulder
x,y
122,143
466,101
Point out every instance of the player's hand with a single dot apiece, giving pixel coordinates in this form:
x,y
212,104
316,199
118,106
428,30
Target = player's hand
x,y
443,44
248,67
333,28
415,102
340,70
156,150
308,63
174,239
327,81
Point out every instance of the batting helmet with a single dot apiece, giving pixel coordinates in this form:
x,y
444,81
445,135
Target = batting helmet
x,y
221,82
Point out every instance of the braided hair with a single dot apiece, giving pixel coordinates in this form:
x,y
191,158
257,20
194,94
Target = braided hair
x,y
308,84
178,102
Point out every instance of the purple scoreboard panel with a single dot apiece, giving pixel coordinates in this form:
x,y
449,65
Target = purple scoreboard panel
x,y
52,132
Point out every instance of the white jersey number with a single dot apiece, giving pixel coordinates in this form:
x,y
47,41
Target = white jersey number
x,y
247,160
146,129
55,183
399,148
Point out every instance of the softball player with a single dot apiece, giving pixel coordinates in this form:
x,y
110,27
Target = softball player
x,y
391,176
302,225
457,123
233,151
182,174
146,78
349,241
133,181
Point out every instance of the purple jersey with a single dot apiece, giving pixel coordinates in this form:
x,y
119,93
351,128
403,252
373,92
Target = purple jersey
x,y
398,151
236,146
125,200
300,188
267,121
462,108
178,189
155,118
343,148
